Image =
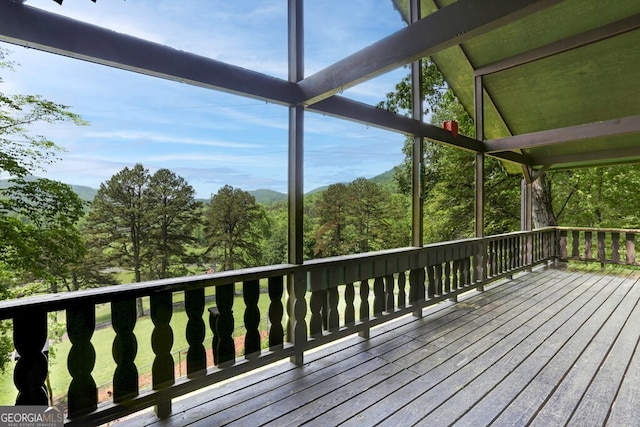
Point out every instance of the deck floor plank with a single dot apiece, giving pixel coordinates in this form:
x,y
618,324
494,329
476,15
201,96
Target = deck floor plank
x,y
452,365
450,398
511,401
546,347
582,366
481,321
625,410
596,402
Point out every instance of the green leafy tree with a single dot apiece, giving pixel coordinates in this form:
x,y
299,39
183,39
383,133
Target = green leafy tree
x,y
359,217
45,214
448,174
38,238
118,218
371,212
597,197
118,221
234,225
275,244
143,222
331,215
173,218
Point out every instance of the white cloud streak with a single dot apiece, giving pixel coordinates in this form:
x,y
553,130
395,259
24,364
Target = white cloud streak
x,y
210,138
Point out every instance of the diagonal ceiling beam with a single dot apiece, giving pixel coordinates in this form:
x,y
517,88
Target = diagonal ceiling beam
x,y
338,106
31,27
513,157
621,155
613,127
447,27
616,28
345,108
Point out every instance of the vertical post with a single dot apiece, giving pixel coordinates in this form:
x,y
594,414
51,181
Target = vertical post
x,y
479,178
418,151
631,248
296,134
526,215
296,163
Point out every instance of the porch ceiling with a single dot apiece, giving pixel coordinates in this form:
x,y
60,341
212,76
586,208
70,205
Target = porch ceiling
x,y
563,80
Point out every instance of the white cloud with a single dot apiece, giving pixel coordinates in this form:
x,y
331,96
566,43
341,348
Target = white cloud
x,y
166,139
208,137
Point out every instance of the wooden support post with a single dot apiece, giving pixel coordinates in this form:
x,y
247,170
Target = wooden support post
x,y
418,141
526,215
480,257
295,27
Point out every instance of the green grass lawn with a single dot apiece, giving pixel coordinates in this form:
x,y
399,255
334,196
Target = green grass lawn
x,y
102,341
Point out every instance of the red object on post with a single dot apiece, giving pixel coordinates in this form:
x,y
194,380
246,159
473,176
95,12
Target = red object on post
x,y
451,126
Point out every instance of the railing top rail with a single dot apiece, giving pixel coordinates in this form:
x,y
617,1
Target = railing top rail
x,y
61,301
519,233
597,229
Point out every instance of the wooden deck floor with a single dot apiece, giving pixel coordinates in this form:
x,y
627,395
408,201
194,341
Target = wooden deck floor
x,y
552,347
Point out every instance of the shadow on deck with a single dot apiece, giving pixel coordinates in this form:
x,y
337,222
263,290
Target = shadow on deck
x,y
551,347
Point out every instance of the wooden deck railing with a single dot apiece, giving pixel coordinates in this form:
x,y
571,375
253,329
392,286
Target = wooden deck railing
x,y
597,244
373,288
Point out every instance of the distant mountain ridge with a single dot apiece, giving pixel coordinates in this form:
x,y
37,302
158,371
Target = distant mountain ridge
x,y
85,193
263,196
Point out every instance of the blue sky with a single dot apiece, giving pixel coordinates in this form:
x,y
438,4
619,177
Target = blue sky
x,y
208,137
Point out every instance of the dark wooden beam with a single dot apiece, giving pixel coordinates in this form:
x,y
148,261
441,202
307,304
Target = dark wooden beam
x,y
447,27
296,136
341,107
612,156
513,157
592,36
417,153
34,28
614,127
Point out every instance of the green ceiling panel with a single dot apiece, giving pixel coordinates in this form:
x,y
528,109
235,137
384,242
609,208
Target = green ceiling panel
x,y
585,85
589,84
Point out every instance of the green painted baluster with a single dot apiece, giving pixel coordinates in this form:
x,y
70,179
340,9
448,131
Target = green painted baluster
x,y
125,348
82,394
349,311
334,315
29,338
225,324
195,333
162,370
251,295
276,312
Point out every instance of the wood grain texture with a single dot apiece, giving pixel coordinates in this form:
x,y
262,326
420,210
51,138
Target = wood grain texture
x,y
547,347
